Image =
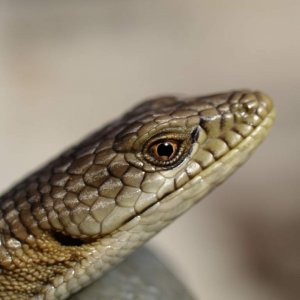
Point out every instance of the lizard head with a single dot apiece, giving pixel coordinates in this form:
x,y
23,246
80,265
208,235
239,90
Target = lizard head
x,y
166,148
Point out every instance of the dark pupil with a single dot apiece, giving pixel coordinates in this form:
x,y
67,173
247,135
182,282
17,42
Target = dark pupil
x,y
165,149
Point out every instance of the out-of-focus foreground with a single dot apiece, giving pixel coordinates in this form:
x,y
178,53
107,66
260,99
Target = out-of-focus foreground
x,y
67,67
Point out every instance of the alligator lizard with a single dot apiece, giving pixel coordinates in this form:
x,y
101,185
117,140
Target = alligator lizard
x,y
66,224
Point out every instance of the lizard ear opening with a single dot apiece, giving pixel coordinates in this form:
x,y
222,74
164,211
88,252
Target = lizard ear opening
x,y
65,240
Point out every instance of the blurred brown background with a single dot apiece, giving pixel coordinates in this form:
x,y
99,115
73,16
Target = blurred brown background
x,y
67,67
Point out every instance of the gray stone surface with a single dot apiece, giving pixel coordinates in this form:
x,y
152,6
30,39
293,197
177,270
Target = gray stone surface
x,y
140,277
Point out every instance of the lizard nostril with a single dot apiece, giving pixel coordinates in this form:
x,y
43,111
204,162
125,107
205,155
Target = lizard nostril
x,y
246,108
250,105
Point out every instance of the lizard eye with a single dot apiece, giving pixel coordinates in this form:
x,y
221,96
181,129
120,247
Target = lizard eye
x,y
168,149
164,150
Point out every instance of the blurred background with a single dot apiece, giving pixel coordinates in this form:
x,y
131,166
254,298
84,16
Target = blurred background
x,y
68,67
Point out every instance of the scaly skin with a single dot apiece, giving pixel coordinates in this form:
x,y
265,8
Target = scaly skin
x,y
66,224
